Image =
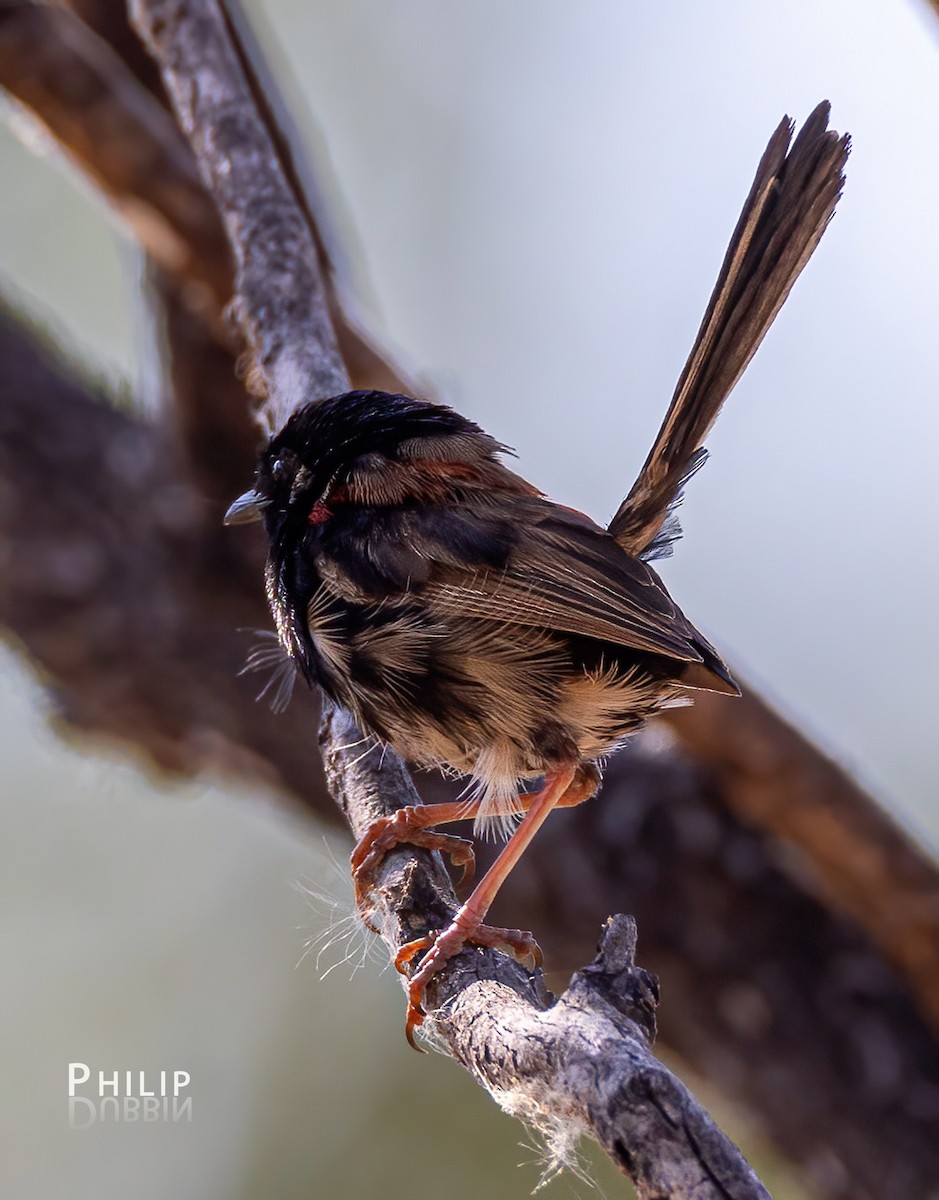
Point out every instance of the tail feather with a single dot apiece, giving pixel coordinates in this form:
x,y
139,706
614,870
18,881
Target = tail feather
x,y
789,206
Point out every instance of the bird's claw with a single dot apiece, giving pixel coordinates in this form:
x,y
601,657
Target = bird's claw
x,y
442,945
404,828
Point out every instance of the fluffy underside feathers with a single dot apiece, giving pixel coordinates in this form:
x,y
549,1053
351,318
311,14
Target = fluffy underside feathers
x,y
470,622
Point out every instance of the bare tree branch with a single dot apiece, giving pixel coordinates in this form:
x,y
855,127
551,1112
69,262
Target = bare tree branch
x,y
578,1064
109,20
772,778
280,301
122,138
769,994
367,368
829,1051
281,304
118,579
776,779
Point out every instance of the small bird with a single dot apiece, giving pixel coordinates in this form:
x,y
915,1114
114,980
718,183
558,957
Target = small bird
x,y
470,622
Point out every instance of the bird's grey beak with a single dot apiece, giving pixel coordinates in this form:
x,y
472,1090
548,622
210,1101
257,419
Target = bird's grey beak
x,y
246,508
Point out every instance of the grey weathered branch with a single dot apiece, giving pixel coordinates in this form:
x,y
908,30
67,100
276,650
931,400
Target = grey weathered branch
x,y
578,1064
280,300
112,127
134,611
281,305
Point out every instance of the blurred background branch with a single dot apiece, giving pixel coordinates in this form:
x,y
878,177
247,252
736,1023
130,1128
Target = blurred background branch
x,y
724,829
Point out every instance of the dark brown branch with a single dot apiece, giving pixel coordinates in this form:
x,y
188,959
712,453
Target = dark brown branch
x,y
105,117
866,866
207,411
108,19
576,1065
130,146
122,138
120,582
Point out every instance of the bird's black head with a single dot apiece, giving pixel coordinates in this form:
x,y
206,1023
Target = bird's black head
x,y
328,443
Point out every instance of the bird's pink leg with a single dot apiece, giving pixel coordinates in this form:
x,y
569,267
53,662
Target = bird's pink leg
x,y
565,786
412,826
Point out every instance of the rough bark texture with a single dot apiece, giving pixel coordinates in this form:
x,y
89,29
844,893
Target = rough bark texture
x,y
795,929
765,986
576,1065
280,302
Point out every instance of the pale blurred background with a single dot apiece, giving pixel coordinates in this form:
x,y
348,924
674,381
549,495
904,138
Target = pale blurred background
x,y
534,199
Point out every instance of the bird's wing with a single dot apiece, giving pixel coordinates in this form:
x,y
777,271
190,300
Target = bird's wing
x,y
514,558
563,573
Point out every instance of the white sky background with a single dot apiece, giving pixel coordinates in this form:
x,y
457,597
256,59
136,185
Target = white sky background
x,y
534,198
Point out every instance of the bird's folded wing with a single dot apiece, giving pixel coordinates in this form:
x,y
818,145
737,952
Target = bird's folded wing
x,y
566,574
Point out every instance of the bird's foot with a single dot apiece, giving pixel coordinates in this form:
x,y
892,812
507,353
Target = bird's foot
x,y
442,945
408,826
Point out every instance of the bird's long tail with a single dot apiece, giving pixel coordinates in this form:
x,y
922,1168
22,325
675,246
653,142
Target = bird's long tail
x,y
790,203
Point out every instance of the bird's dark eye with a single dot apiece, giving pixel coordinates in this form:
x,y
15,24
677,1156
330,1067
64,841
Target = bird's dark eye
x,y
277,469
